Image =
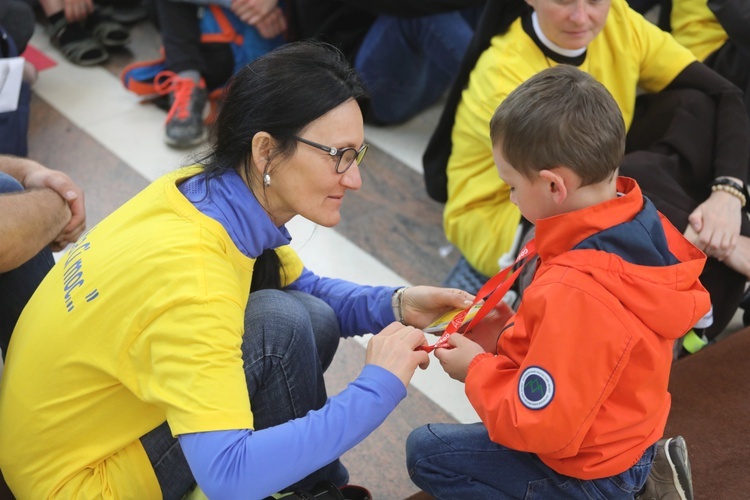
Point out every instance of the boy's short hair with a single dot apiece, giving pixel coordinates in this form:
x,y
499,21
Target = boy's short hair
x,y
561,116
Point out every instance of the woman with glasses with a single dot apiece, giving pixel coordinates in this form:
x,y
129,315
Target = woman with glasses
x,y
140,366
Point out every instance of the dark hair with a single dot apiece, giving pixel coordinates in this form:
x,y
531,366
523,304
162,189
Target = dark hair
x,y
280,93
561,116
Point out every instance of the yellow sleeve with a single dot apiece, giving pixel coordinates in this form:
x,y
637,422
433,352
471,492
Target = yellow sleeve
x,y
694,26
479,218
291,264
662,57
188,362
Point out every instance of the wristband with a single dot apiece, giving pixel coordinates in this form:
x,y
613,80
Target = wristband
x,y
726,185
397,303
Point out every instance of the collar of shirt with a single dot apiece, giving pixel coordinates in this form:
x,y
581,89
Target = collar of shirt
x,y
227,199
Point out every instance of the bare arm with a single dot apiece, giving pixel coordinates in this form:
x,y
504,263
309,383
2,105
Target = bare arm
x,y
715,223
30,221
52,212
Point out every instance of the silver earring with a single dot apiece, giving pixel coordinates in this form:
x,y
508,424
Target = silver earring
x,y
266,180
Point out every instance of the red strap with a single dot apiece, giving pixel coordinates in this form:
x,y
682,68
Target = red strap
x,y
492,292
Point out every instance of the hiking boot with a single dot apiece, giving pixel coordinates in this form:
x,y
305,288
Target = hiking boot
x,y
670,477
184,126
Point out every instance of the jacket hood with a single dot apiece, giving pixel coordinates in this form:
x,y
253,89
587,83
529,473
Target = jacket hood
x,y
635,254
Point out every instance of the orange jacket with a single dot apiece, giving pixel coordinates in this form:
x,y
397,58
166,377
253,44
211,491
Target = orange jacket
x,y
581,374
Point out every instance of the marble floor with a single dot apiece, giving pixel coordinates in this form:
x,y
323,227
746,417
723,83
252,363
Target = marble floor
x,y
84,123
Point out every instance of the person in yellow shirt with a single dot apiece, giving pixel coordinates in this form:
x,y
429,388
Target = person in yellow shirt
x,y
717,32
140,366
701,193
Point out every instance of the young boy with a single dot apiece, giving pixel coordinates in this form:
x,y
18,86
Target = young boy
x,y
573,397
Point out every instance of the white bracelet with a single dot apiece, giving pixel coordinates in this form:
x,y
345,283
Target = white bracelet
x,y
730,190
397,303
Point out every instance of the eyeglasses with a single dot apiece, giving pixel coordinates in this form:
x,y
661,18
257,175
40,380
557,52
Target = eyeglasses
x,y
346,156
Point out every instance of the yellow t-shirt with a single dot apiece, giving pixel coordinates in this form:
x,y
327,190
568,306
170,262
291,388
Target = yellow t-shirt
x,y
696,27
140,322
628,53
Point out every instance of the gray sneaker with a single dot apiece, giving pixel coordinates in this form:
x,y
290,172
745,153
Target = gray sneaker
x,y
670,477
184,127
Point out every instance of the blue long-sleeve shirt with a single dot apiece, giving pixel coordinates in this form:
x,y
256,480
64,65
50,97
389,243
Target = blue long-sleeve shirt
x,y
246,463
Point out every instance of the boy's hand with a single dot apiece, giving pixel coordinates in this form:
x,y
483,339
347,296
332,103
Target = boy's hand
x,y
456,361
487,331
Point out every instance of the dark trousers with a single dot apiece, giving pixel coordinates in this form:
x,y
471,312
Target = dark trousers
x,y
669,152
181,36
17,18
732,61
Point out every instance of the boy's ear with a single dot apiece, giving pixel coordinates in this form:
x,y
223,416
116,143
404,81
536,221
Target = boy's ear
x,y
557,184
262,145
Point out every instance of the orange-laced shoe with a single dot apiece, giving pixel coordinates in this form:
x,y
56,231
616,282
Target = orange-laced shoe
x,y
184,126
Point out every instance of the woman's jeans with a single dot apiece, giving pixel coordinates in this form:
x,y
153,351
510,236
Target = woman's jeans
x,y
17,285
459,461
290,339
408,63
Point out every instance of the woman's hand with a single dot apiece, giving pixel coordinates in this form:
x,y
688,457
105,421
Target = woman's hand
x,y
487,331
393,349
456,361
424,304
715,225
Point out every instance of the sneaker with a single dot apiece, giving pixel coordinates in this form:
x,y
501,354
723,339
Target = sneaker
x,y
670,477
184,126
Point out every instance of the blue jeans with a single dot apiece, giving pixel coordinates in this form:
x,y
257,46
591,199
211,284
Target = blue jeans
x,y
290,340
408,63
17,285
458,461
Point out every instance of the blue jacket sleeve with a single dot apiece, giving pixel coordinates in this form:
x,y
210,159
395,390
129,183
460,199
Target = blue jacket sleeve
x,y
255,464
360,309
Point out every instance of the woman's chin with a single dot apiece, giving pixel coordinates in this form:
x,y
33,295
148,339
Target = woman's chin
x,y
328,220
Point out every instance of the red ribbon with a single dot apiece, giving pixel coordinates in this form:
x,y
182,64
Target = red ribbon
x,y
491,292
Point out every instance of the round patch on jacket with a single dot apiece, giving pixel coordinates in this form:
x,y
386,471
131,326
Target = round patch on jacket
x,y
536,388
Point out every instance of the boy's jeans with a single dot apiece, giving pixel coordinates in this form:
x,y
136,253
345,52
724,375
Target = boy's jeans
x,y
290,339
408,63
458,461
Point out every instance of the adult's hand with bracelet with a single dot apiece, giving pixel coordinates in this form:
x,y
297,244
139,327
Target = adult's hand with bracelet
x,y
423,304
714,226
